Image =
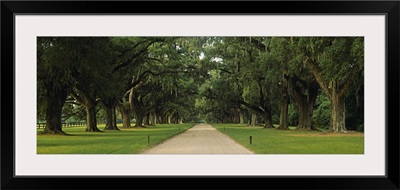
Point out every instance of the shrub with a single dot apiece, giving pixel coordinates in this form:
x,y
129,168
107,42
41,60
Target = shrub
x,y
322,114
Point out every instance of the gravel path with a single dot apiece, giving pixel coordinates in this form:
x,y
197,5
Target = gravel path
x,y
200,139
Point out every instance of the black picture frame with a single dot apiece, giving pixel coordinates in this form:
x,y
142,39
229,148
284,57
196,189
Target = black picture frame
x,y
10,8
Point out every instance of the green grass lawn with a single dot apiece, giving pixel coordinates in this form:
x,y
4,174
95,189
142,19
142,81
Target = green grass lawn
x,y
273,141
125,141
136,140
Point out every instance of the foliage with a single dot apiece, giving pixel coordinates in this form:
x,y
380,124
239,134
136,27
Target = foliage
x,y
293,115
322,112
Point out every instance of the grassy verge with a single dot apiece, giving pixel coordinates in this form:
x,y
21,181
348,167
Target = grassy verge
x,y
273,141
125,141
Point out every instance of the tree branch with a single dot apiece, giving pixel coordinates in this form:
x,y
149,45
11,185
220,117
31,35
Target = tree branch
x,y
316,71
77,97
255,108
149,72
226,71
118,67
347,82
72,102
260,91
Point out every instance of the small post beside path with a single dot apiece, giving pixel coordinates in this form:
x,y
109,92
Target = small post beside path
x,y
251,139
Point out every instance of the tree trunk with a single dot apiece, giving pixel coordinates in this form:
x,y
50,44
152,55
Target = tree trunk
x,y
336,92
306,109
55,101
139,119
91,121
237,116
147,120
126,119
139,114
241,117
159,120
154,118
305,116
126,115
169,119
284,109
111,120
253,119
338,113
304,94
268,119
137,107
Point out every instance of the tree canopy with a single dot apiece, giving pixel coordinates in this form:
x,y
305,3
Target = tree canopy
x,y
307,82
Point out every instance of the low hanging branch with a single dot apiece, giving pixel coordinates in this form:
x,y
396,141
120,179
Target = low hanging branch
x,y
142,76
253,107
77,97
137,54
316,71
341,88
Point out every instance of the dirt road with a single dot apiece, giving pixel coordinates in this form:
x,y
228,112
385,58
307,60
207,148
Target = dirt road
x,y
200,139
